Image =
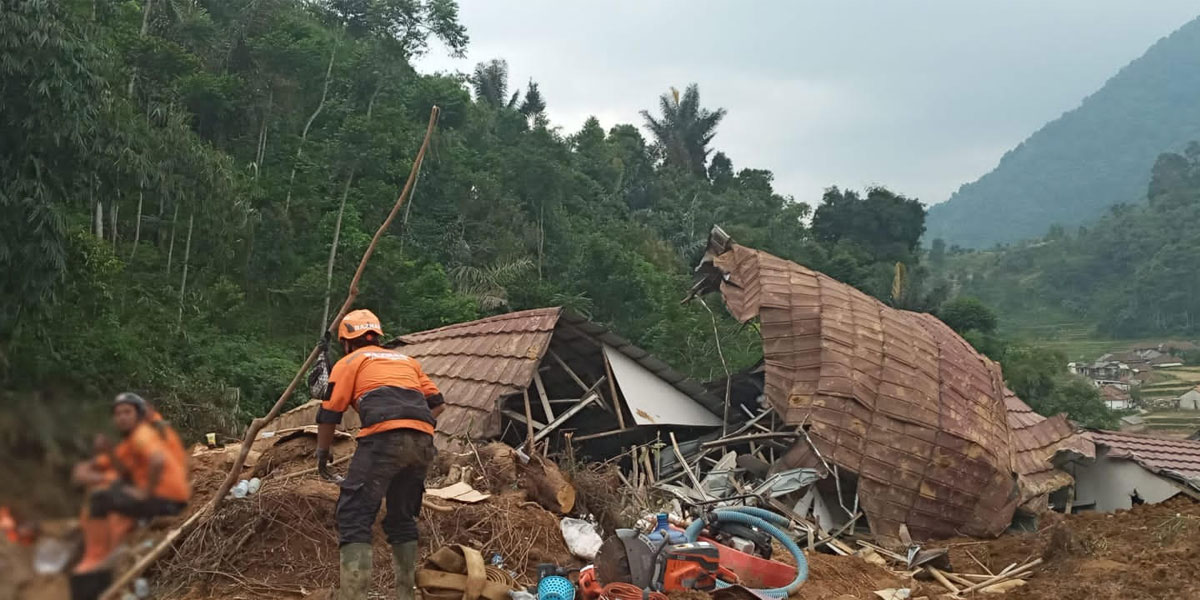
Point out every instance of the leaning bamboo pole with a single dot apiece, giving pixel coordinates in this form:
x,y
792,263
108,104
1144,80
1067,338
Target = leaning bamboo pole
x,y
256,425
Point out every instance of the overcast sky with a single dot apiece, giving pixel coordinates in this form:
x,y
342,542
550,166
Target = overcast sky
x,y
918,95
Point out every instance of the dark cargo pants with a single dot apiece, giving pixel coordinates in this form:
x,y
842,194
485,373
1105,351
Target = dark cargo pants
x,y
392,465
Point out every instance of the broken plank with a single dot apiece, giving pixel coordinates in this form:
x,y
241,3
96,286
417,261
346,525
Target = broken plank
x,y
942,580
570,373
1016,573
751,437
574,410
686,468
516,416
603,434
541,390
612,389
528,423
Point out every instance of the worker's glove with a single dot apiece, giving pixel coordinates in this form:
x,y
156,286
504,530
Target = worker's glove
x,y
323,466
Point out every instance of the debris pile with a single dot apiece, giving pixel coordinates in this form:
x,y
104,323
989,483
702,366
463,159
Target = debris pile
x,y
893,400
1149,551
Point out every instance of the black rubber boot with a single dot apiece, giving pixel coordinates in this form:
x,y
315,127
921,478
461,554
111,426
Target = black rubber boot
x,y
89,586
356,572
404,564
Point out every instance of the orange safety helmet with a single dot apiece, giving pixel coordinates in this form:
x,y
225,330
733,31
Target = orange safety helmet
x,y
357,323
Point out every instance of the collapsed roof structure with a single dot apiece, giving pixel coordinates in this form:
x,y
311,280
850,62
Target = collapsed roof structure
x,y
938,443
1130,468
566,367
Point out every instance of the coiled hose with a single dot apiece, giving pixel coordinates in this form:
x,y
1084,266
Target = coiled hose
x,y
762,519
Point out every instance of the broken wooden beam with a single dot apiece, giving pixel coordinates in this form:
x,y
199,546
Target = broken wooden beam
x,y
687,468
541,390
574,410
570,373
750,437
603,434
532,423
612,389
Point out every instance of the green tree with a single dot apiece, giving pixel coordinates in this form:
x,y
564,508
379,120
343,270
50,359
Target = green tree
x,y
965,314
684,129
491,84
1038,376
887,225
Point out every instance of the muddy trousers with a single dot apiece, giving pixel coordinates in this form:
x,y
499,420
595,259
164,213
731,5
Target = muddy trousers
x,y
118,499
391,466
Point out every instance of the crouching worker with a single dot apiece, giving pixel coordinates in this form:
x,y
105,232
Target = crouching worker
x,y
397,404
143,476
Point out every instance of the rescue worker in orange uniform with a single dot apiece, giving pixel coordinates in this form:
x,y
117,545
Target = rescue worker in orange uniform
x,y
144,476
398,406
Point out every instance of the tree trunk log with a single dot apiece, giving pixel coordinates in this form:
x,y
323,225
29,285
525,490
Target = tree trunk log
x,y
547,485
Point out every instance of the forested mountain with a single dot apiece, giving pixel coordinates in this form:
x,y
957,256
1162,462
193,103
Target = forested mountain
x,y
185,182
1093,157
1131,274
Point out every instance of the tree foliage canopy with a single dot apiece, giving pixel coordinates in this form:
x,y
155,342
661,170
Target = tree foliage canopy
x,y
171,196
1132,274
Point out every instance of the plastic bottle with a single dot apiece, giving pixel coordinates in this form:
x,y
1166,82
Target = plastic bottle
x,y
662,527
241,489
141,588
253,485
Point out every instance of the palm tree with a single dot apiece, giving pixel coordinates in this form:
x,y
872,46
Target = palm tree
x,y
491,84
685,129
488,285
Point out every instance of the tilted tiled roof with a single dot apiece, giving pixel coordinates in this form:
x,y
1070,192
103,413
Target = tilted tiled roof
x,y
1177,458
475,364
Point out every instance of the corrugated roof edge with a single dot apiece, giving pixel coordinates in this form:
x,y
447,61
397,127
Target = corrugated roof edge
x,y
679,381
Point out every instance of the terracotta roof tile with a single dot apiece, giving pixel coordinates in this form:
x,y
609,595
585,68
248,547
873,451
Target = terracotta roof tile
x,y
1160,455
477,363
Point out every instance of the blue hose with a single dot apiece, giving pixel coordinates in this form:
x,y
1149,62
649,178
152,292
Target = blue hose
x,y
754,517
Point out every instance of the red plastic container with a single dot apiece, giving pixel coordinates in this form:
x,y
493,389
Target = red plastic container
x,y
753,571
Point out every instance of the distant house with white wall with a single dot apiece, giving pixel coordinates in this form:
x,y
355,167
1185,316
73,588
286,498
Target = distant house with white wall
x,y
1129,466
1190,400
1115,397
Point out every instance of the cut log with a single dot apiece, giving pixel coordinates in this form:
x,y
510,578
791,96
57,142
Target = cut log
x,y
546,485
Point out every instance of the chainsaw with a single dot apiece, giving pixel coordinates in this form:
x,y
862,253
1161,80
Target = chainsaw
x,y
631,557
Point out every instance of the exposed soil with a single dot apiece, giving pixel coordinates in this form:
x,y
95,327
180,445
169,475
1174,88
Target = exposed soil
x,y
1151,551
834,577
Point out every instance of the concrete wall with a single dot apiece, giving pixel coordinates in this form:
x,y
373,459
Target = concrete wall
x,y
1190,400
1110,482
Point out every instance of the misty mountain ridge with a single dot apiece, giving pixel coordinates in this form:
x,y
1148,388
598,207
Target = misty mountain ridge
x,y
1095,156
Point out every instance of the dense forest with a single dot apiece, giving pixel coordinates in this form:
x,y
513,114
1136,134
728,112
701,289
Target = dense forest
x,y
1093,157
1131,274
186,183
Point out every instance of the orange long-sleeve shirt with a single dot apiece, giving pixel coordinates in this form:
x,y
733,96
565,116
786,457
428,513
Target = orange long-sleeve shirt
x,y
400,393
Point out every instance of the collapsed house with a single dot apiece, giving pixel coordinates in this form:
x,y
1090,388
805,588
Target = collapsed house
x,y
557,375
893,399
580,383
1133,469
